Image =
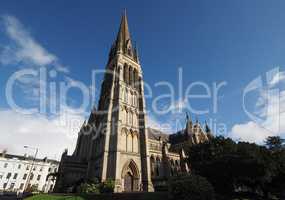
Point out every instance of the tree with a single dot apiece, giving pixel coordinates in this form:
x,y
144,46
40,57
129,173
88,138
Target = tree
x,y
191,187
242,166
274,143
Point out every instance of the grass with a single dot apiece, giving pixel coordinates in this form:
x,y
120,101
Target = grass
x,y
54,197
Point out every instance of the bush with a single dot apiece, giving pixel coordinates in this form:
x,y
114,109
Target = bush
x,y
87,188
33,188
96,187
107,186
191,187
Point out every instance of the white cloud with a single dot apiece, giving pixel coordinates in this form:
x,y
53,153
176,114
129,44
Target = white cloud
x,y
179,105
24,48
152,122
51,136
277,78
250,132
269,117
25,52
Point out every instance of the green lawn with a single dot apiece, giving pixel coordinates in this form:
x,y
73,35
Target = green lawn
x,y
53,197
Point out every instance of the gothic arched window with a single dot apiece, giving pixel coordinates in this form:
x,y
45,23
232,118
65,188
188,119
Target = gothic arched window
x,y
172,167
157,166
130,76
126,74
129,51
152,166
129,142
126,96
129,48
135,78
134,99
130,118
135,142
127,116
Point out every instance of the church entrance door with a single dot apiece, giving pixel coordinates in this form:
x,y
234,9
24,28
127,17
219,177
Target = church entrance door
x,y
130,176
128,182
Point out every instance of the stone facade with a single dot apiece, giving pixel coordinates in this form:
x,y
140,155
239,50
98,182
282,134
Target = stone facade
x,y
115,143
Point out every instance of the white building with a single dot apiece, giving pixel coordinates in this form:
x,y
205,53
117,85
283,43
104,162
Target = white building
x,y
15,170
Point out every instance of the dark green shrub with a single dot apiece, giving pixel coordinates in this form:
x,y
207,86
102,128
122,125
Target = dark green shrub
x,y
87,188
191,187
107,186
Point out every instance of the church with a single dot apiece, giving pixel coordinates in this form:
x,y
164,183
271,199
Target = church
x,y
116,143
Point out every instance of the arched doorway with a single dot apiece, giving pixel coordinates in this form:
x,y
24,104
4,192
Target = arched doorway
x,y
130,176
128,182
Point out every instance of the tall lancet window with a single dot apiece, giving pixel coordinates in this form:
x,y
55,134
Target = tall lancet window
x,y
130,75
130,118
129,48
134,99
126,74
126,96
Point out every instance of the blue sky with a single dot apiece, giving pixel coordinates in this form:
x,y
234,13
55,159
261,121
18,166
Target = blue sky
x,y
212,41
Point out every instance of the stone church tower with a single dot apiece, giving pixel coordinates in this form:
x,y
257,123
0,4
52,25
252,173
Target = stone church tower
x,y
119,147
114,142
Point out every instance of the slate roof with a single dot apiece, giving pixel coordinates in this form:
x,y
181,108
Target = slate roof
x,y
155,134
19,157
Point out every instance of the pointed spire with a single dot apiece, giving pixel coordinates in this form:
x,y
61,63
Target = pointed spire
x,y
208,131
123,43
136,50
189,124
187,116
123,36
207,128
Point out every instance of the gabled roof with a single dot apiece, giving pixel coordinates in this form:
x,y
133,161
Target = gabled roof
x,y
155,134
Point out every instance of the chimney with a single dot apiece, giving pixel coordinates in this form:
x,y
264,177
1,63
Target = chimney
x,y
3,154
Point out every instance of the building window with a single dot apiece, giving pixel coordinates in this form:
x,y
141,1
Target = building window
x,y
129,51
15,176
157,166
4,185
8,175
35,168
27,168
127,117
41,169
5,165
49,169
152,166
135,100
126,96
25,177
21,186
39,177
32,176
12,186
51,187
130,118
19,166
1,176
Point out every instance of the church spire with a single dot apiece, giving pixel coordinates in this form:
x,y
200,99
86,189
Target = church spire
x,y
123,36
189,125
123,43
